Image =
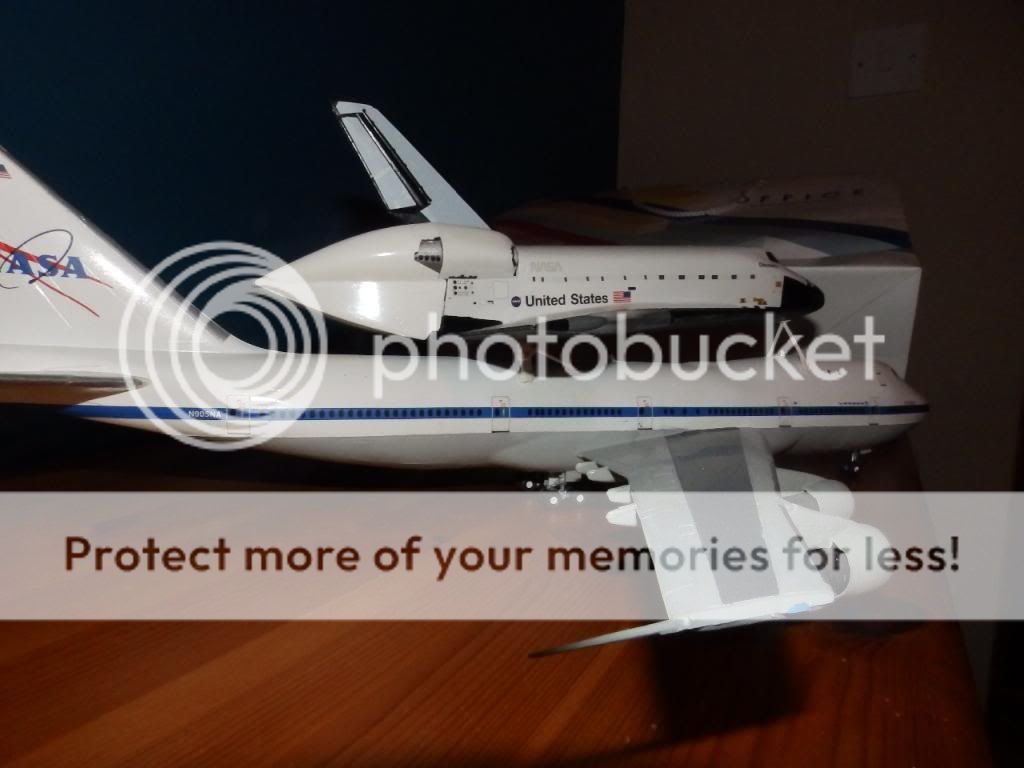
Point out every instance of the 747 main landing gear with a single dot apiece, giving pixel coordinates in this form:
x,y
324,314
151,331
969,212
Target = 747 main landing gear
x,y
556,483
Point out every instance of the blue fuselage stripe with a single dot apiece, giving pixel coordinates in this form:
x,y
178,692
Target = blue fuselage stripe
x,y
488,412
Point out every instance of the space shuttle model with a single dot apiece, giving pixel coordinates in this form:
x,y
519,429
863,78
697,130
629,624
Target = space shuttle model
x,y
450,272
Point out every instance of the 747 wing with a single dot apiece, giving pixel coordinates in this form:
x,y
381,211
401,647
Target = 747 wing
x,y
716,489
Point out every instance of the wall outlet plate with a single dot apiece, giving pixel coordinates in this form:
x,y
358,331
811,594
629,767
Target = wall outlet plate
x,y
889,60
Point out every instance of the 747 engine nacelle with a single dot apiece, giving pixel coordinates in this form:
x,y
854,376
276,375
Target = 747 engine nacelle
x,y
821,510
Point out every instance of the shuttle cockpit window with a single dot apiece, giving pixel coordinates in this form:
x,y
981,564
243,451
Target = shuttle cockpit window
x,y
430,253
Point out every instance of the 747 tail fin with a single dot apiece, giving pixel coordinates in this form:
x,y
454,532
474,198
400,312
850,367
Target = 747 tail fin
x,y
64,284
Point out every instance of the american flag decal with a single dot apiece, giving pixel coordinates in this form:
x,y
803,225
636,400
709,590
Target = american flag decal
x,y
3,172
622,297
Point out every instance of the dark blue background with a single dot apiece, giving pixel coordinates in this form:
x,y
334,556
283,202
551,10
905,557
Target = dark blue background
x,y
177,123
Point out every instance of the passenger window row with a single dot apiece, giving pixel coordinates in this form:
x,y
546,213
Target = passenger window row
x,y
539,412
547,412
394,413
660,277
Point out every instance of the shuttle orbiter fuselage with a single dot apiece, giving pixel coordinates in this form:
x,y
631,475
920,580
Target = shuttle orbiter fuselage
x,y
415,279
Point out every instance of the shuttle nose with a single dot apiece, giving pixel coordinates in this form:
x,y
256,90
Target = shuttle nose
x,y
801,296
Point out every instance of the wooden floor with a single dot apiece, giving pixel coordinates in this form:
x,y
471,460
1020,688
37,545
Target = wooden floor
x,y
460,693
466,693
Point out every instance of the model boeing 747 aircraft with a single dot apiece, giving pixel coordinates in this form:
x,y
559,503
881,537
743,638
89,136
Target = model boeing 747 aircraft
x,y
66,291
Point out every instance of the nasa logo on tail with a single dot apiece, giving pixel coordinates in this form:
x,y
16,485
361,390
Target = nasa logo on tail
x,y
48,266
47,254
43,258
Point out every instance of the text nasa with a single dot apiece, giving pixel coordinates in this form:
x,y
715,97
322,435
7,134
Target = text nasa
x,y
573,298
49,266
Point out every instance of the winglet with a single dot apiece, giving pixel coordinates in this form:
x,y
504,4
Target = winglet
x,y
404,179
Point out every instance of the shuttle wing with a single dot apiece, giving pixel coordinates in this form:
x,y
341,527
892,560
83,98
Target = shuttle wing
x,y
714,489
404,179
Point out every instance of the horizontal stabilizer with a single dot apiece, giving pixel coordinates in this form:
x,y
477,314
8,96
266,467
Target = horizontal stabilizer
x,y
62,388
666,627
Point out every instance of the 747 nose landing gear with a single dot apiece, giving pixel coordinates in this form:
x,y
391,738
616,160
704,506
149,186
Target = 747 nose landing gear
x,y
854,463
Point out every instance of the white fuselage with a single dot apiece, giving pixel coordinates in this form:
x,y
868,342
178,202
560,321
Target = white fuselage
x,y
541,424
